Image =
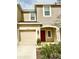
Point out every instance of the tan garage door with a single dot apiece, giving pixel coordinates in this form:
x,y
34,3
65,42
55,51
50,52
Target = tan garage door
x,y
28,37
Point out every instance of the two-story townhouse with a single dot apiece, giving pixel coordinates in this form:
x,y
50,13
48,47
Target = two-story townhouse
x,y
40,23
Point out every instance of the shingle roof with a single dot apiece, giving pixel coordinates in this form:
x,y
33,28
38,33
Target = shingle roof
x,y
19,6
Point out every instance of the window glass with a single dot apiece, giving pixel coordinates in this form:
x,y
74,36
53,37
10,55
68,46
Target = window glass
x,y
49,33
46,10
32,16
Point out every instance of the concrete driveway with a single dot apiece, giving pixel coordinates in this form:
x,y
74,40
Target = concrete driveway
x,y
26,52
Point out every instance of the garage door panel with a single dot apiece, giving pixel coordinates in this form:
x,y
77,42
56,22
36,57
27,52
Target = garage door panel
x,y
28,37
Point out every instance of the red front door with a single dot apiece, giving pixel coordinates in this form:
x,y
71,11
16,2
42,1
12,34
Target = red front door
x,y
42,35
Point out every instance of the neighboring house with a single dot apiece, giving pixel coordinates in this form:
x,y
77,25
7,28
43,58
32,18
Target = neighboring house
x,y
19,18
42,23
19,13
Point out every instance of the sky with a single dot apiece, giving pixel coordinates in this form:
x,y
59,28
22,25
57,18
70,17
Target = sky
x,y
29,4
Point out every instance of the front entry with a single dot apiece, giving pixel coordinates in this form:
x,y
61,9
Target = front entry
x,y
42,35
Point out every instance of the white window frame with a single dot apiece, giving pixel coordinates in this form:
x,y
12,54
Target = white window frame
x,y
50,33
30,17
44,11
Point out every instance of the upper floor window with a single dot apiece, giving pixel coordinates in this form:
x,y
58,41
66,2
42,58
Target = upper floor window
x,y
47,10
33,16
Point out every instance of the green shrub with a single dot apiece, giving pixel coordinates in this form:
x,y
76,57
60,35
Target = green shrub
x,y
38,41
46,52
52,51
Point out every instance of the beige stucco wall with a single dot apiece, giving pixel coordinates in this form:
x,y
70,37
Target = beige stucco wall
x,y
58,36
19,14
55,12
26,16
